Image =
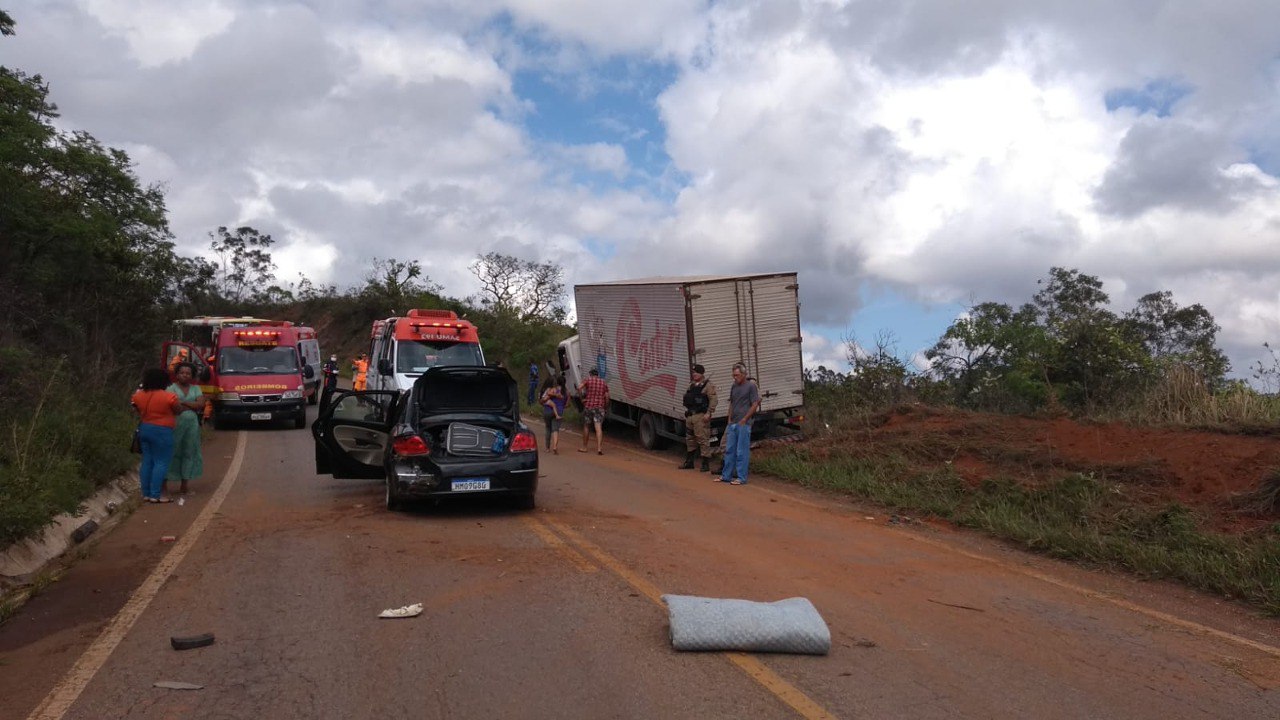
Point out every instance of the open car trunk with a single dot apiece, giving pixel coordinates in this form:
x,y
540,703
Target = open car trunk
x,y
468,411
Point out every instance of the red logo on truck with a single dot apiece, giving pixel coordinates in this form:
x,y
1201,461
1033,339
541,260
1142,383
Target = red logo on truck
x,y
647,354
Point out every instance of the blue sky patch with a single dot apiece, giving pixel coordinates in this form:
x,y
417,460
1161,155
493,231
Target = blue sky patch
x,y
1157,97
600,100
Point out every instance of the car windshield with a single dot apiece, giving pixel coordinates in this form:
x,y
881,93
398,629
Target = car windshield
x,y
418,356
257,361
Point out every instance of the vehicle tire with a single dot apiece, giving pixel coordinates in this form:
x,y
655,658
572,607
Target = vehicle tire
x,y
315,397
527,502
300,420
649,437
217,422
393,498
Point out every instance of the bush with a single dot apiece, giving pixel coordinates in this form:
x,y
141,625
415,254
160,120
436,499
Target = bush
x,y
60,438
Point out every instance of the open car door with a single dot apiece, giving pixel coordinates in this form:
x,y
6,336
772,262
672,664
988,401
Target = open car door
x,y
353,431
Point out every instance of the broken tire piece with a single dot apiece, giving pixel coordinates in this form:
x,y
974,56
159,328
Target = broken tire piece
x,y
192,641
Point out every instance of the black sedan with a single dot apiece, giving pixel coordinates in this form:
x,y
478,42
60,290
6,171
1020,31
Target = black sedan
x,y
457,432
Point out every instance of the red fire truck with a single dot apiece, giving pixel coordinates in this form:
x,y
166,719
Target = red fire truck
x,y
251,369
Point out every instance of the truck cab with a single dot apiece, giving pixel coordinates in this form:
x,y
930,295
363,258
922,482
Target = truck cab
x,y
401,349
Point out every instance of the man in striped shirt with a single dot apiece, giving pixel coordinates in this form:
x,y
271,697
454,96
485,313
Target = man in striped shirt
x,y
595,398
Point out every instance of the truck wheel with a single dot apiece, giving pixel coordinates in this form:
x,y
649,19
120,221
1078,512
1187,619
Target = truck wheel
x,y
217,422
314,398
300,420
649,437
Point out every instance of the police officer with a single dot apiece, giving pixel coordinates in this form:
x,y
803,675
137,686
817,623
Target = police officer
x,y
699,405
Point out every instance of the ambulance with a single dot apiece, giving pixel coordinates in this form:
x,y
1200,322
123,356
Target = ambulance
x,y
402,348
252,369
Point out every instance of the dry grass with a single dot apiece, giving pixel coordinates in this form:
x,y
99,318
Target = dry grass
x,y
1181,398
1263,501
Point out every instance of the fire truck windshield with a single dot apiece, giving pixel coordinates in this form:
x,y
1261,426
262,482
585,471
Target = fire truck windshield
x,y
417,356
257,361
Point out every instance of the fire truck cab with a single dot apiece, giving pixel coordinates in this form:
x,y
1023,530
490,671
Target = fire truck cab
x,y
402,348
251,369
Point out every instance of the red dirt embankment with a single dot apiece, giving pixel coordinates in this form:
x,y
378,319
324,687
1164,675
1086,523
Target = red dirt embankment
x,y
1203,470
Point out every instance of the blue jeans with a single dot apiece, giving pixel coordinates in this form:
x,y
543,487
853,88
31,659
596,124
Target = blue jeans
x,y
157,451
533,391
737,452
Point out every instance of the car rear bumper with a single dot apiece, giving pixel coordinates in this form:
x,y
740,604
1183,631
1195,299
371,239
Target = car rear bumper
x,y
413,483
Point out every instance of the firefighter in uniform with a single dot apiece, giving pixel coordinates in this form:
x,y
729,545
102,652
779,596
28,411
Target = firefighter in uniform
x,y
362,372
699,405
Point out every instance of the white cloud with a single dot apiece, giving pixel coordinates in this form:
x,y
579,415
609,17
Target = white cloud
x,y
944,151
161,31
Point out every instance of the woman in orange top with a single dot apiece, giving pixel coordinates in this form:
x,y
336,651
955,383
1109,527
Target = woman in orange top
x,y
157,410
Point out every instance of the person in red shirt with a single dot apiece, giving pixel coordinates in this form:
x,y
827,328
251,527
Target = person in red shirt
x,y
157,410
595,398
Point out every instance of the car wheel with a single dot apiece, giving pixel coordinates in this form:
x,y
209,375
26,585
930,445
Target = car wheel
x,y
218,423
649,437
314,398
527,502
393,498
300,420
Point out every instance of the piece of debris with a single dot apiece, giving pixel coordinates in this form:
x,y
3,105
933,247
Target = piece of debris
x,y
175,685
84,531
864,642
961,607
168,538
190,642
719,624
407,611
869,517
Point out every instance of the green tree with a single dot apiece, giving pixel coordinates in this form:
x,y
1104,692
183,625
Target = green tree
x,y
245,271
994,357
1185,335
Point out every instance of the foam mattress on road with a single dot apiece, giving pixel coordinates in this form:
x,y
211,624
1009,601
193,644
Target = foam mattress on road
x,y
786,626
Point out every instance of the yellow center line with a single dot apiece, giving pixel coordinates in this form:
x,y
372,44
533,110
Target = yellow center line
x,y
560,546
754,669
67,691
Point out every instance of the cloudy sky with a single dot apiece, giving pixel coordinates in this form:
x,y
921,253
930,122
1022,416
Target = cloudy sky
x,y
906,157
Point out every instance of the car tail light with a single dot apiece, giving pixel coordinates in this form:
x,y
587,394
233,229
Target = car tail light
x,y
524,441
410,445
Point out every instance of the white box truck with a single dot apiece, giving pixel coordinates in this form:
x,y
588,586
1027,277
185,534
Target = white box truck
x,y
645,335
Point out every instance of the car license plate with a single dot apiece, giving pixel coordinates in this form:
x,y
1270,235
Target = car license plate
x,y
465,484
260,416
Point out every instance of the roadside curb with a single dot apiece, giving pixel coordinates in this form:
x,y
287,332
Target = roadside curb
x,y
22,563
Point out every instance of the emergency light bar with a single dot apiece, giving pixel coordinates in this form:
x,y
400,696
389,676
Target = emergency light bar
x,y
257,337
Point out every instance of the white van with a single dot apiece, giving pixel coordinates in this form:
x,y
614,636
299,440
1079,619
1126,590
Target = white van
x,y
402,348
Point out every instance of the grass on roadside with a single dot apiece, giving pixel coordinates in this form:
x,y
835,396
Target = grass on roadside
x,y
1076,516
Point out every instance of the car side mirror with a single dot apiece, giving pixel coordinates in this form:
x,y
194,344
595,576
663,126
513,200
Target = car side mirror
x,y
384,367
308,372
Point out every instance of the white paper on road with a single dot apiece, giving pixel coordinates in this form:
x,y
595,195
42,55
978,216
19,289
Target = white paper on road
x,y
413,610
175,685
786,626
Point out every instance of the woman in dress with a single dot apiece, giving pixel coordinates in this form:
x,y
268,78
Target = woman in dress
x,y
187,463
157,410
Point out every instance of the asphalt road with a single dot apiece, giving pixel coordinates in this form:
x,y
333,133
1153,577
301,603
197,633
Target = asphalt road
x,y
556,613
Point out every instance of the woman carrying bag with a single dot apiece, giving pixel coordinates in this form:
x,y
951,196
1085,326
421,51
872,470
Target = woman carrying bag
x,y
157,410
